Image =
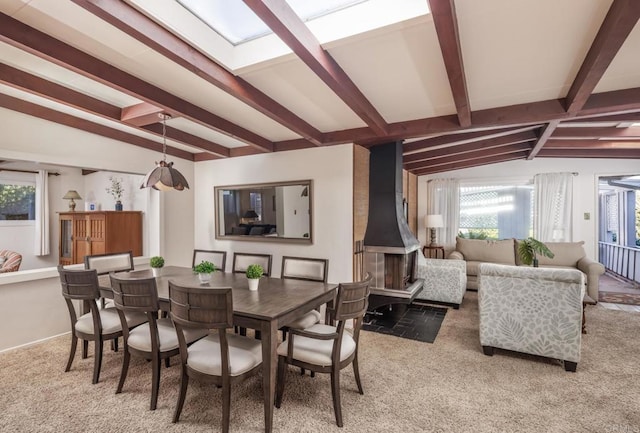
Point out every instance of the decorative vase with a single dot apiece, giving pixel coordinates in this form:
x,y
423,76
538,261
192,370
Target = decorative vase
x,y
156,272
204,278
118,205
253,283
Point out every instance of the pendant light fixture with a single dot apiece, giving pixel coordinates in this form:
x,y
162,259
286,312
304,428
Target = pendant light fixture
x,y
164,177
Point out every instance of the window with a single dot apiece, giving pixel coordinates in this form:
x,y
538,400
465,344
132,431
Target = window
x,y
496,211
17,201
255,198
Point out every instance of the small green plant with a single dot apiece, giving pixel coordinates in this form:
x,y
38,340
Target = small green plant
x,y
530,248
254,271
156,262
204,267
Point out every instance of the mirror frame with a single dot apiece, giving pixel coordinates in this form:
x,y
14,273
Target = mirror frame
x,y
217,220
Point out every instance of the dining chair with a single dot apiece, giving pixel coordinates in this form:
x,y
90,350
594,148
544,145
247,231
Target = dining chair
x,y
109,262
242,260
218,258
98,324
328,349
220,358
154,340
305,269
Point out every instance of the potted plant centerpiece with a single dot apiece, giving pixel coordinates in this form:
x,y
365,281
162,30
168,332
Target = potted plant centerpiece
x,y
530,248
116,190
156,263
254,272
204,270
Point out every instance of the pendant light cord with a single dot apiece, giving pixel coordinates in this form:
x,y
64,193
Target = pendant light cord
x,y
164,137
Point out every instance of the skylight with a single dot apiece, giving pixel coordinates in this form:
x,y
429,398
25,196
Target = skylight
x,y
235,22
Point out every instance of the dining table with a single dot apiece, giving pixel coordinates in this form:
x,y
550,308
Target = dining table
x,y
276,303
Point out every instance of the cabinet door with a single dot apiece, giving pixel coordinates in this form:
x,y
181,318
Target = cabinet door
x,y
81,245
96,233
66,241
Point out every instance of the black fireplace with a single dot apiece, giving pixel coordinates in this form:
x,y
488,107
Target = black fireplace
x,y
390,248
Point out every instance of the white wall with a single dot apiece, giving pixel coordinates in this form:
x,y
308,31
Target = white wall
x,y
330,168
585,187
36,294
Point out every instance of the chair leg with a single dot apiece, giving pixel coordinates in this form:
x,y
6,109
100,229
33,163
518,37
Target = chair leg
x,y
280,381
155,381
97,363
356,373
487,350
184,381
226,405
125,370
72,352
85,349
335,392
301,371
570,366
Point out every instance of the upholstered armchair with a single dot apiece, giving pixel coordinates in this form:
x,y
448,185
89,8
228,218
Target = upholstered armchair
x,y
444,280
531,310
9,261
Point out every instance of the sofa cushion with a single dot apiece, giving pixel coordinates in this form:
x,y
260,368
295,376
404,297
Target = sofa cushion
x,y
565,254
482,250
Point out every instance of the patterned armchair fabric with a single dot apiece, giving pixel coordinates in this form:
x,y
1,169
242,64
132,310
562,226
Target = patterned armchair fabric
x,y
444,280
10,261
531,310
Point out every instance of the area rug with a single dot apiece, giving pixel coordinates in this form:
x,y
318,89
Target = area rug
x,y
415,322
619,298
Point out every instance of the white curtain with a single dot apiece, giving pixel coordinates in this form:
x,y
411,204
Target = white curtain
x,y
443,198
553,194
42,214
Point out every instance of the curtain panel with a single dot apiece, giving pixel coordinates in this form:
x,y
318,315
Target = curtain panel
x,y
443,198
553,197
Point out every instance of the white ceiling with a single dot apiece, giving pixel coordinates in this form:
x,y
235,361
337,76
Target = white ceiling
x,y
513,53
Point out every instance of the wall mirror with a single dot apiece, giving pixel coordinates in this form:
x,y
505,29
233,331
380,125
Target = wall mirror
x,y
271,212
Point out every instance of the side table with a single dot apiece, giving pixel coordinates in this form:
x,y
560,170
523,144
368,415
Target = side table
x,y
433,252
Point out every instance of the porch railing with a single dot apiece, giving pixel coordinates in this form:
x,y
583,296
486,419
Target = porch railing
x,y
621,260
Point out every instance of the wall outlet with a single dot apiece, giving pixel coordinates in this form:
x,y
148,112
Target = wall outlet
x,y
587,216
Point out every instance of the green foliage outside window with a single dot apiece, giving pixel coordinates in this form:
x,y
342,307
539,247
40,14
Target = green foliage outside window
x,y
17,202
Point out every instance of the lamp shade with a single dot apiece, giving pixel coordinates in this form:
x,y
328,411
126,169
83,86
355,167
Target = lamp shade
x,y
164,178
250,214
72,195
434,221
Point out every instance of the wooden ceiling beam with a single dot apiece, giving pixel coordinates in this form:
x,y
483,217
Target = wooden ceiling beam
x,y
45,113
525,136
20,35
633,117
545,133
612,102
616,27
590,153
140,27
592,144
444,19
35,85
596,132
141,114
461,138
284,22
469,156
473,163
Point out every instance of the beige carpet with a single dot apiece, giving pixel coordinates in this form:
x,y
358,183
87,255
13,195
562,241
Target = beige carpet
x,y
448,386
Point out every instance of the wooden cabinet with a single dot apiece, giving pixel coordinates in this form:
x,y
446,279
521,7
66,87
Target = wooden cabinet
x,y
89,233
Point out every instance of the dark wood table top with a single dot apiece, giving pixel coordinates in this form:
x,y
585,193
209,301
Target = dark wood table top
x,y
275,297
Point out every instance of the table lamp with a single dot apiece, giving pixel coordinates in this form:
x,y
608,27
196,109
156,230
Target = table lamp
x,y
433,221
72,195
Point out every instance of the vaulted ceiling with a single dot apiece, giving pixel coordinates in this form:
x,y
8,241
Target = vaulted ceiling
x,y
462,82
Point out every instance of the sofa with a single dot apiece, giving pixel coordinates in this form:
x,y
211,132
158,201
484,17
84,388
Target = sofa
x,y
567,255
531,310
445,281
